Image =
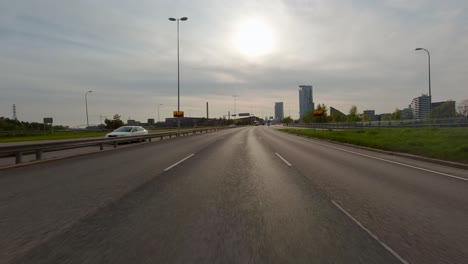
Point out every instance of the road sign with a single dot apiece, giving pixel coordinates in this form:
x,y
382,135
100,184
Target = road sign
x,y
178,113
244,114
48,120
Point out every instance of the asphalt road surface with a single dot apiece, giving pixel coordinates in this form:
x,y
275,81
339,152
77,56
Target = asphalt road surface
x,y
244,195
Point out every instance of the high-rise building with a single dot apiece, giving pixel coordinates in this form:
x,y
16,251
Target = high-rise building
x,y
279,111
306,102
421,106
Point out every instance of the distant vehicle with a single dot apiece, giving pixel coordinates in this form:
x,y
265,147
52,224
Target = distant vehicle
x,y
232,125
256,123
126,131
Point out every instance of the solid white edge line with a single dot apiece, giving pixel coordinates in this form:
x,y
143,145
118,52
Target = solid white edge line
x,y
389,249
285,161
394,162
180,161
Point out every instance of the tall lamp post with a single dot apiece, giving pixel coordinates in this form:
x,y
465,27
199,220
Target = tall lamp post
x,y
178,67
158,112
429,65
86,103
235,114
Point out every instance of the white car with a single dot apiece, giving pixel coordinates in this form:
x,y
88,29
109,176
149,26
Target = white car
x,y
126,131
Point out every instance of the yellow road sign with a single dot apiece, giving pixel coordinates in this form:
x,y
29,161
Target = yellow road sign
x,y
178,113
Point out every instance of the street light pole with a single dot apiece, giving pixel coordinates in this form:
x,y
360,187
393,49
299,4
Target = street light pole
x,y
429,66
86,103
235,114
178,66
158,112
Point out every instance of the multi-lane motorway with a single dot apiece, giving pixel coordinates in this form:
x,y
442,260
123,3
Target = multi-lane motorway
x,y
244,195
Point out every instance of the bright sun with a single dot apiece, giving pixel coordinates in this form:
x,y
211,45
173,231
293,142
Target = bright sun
x,y
254,38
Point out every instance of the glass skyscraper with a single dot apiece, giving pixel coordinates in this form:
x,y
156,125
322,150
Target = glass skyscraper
x,y
279,111
306,102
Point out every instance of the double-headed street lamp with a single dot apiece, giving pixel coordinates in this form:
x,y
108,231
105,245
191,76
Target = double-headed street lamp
x,y
178,67
86,103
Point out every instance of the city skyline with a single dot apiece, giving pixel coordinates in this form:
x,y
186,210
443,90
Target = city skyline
x,y
356,53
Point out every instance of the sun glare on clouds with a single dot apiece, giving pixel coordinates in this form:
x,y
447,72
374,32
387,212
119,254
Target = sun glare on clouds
x,y
254,38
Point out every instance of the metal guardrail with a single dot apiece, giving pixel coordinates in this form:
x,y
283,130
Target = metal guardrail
x,y
38,149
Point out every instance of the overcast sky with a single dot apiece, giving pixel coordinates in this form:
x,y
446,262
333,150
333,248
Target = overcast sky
x,y
352,52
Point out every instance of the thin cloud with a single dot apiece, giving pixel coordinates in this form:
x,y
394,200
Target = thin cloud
x,y
354,53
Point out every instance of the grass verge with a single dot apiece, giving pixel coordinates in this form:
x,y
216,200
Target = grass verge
x,y
14,137
438,143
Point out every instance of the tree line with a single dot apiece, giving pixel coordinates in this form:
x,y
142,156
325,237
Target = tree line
x,y
321,114
7,124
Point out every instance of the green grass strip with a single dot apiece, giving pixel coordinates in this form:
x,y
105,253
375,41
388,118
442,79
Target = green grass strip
x,y
20,137
439,143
